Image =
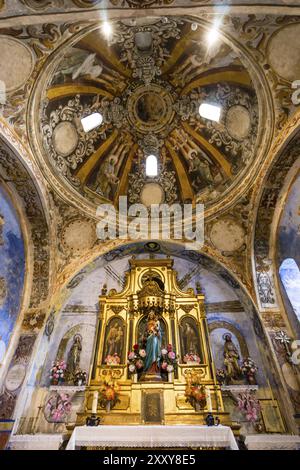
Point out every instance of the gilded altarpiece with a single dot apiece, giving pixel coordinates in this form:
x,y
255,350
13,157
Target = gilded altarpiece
x,y
151,295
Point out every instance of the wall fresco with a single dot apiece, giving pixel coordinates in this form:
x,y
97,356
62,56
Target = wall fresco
x,y
12,270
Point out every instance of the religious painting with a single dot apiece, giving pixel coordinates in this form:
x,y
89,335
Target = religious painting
x,y
152,407
189,338
114,342
58,407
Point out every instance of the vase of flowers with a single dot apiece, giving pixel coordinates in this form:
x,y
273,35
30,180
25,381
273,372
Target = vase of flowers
x,y
57,372
80,378
249,369
109,393
195,395
136,361
170,370
168,362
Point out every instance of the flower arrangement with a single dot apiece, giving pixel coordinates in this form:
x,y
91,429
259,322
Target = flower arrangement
x,y
249,369
57,372
135,359
168,359
195,391
191,358
196,396
249,405
109,393
80,378
112,360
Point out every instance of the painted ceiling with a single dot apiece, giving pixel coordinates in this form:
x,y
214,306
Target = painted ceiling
x,y
147,80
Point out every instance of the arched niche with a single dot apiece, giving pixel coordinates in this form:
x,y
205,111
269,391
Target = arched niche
x,y
217,330
141,327
190,341
114,339
60,347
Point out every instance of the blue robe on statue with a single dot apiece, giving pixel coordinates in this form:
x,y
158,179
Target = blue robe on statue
x,y
153,349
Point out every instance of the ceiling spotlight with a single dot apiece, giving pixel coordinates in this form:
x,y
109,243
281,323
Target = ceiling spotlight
x,y
151,166
107,29
212,36
91,122
194,26
210,111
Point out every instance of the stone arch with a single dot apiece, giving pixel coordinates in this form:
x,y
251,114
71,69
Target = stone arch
x,y
16,170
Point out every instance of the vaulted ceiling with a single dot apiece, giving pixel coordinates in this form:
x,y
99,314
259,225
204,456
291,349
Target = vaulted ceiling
x,y
147,80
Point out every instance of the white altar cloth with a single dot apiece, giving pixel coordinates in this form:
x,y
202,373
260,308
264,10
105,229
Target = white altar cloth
x,y
152,436
272,442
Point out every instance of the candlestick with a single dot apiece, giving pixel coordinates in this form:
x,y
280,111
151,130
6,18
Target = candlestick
x,y
208,399
95,403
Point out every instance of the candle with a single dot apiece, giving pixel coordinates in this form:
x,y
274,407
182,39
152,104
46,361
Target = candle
x,y
95,403
208,399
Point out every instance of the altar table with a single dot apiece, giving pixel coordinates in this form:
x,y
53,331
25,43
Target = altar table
x,y
152,437
272,442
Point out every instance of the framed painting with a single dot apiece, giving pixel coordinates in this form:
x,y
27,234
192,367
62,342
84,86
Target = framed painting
x,y
114,342
189,337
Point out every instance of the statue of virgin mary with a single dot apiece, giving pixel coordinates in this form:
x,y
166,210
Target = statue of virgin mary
x,y
153,336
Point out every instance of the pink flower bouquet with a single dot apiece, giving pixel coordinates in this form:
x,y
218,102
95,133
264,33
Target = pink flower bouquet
x,y
57,372
112,360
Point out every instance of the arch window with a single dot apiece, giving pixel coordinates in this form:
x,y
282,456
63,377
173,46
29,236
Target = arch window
x,y
290,278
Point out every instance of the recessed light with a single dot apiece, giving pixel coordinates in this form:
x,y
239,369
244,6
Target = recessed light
x,y
210,111
151,165
91,122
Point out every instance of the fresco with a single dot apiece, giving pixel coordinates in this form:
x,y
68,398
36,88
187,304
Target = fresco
x,y
12,270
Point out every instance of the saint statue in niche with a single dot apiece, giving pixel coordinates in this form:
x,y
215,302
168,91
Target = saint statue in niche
x,y
114,341
73,360
153,338
231,358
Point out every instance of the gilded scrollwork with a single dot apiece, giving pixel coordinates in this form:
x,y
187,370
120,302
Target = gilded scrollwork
x,y
65,120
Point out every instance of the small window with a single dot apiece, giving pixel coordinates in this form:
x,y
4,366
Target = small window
x,y
151,166
290,277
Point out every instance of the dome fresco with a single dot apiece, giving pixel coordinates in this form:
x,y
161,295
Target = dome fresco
x,y
148,90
